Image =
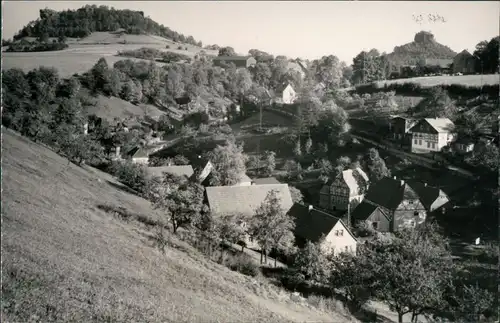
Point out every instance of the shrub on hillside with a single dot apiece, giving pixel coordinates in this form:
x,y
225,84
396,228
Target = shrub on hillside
x,y
181,160
36,47
242,263
130,174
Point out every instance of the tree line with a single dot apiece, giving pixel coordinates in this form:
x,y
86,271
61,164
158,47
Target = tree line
x,y
91,18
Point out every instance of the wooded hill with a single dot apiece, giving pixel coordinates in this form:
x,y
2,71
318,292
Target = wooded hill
x,y
424,46
82,22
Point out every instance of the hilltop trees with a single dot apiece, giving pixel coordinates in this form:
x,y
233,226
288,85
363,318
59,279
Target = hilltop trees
x,y
486,54
90,18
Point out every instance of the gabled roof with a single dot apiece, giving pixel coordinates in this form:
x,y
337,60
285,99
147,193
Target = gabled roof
x,y
427,194
245,199
438,124
389,193
352,176
179,170
244,178
312,224
364,210
265,181
231,58
138,152
280,88
441,124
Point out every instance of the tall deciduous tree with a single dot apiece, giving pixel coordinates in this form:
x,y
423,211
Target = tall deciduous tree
x,y
376,165
179,198
229,164
272,227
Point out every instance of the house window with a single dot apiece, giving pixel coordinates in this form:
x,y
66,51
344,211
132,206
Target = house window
x,y
420,142
410,202
346,248
375,225
433,145
341,232
415,213
428,144
415,141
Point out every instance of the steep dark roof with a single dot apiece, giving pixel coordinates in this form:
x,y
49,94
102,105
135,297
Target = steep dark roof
x,y
311,224
179,170
267,180
427,194
364,210
231,58
389,193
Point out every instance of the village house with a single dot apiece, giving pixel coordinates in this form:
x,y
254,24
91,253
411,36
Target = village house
x,y
320,227
464,63
139,155
238,61
432,198
244,200
394,199
265,181
463,144
347,188
285,94
432,134
436,65
203,175
373,215
179,170
400,128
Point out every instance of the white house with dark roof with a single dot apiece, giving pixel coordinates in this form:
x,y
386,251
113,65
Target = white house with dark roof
x,y
432,134
348,186
285,94
320,227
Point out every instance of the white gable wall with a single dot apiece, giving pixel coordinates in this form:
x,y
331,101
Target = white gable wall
x,y
289,96
338,239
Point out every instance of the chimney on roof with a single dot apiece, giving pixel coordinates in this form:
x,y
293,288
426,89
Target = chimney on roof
x,y
310,207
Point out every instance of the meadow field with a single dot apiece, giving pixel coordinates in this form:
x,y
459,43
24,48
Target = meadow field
x,y
84,53
430,81
66,259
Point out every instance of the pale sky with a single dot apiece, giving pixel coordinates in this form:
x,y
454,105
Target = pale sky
x,y
306,29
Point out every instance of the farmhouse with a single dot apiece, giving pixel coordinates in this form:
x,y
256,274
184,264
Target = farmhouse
x,y
432,134
238,61
464,144
347,187
373,215
265,181
139,155
179,170
397,200
432,198
401,126
244,200
285,94
318,226
436,65
464,63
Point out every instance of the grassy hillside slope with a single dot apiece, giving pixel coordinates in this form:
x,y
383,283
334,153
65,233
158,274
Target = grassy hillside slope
x,y
64,259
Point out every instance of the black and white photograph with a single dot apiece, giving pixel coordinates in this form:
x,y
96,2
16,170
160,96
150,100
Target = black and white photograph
x,y
250,161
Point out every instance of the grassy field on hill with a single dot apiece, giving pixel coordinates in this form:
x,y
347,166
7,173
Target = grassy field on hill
x,y
64,259
83,54
467,80
112,107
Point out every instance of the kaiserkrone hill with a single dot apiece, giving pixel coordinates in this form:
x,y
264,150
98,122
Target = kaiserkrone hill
x,y
65,259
